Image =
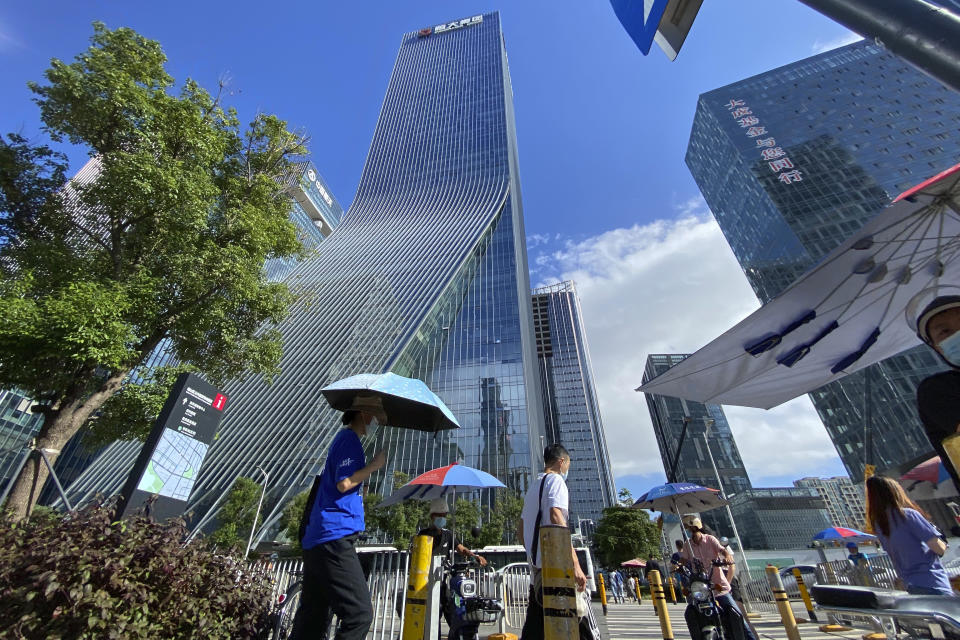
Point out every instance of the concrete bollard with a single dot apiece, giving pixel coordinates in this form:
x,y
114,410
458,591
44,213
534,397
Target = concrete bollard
x,y
415,607
805,595
560,620
636,586
603,593
660,604
783,603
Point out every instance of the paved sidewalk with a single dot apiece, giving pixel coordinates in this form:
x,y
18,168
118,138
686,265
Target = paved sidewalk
x,y
630,621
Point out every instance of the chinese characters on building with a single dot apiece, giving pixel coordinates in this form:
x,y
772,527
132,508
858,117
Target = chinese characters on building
x,y
776,157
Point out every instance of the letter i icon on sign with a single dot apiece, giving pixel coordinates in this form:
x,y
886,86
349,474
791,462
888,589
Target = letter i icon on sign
x,y
218,401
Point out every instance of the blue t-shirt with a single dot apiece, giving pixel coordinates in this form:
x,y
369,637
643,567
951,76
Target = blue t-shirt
x,y
336,515
907,548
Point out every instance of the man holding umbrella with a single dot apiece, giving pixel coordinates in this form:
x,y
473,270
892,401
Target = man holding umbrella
x,y
334,518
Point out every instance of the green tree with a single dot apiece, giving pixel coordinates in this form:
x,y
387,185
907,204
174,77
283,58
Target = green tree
x,y
625,497
236,516
292,513
623,534
399,521
508,509
166,240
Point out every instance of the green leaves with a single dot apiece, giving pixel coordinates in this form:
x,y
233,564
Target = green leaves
x,y
623,534
87,578
236,517
163,238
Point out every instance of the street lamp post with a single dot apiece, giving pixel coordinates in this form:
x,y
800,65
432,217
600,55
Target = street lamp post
x,y
256,516
707,423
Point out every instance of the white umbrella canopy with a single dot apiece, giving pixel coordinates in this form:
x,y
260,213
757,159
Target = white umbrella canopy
x,y
841,316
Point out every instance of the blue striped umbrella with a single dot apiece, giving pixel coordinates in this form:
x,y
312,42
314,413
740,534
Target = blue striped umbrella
x,y
407,402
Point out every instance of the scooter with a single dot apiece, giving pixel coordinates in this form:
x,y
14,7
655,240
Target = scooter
x,y
705,619
465,610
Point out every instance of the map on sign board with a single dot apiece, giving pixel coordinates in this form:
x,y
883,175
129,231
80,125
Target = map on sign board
x,y
174,465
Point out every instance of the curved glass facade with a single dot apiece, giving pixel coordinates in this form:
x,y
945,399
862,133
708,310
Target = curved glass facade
x,y
795,160
426,276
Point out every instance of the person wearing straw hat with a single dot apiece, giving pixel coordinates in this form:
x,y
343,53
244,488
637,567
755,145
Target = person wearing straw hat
x,y
938,396
443,537
333,520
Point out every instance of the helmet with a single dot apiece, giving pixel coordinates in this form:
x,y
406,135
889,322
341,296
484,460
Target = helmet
x,y
928,303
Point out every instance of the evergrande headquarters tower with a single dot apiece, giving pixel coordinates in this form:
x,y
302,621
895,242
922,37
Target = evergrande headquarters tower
x,y
425,276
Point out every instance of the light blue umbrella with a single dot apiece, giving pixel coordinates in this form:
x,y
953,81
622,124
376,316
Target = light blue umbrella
x,y
407,402
680,497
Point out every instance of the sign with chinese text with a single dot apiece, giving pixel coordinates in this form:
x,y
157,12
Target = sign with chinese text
x,y
777,159
170,460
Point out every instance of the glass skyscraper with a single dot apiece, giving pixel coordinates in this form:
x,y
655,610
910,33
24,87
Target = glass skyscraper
x,y
795,160
426,276
669,415
572,414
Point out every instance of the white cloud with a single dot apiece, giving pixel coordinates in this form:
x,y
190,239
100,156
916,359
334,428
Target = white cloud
x,y
537,239
8,41
820,46
670,287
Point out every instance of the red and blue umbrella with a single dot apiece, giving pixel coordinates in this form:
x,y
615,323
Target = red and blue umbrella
x,y
929,480
932,471
843,534
439,483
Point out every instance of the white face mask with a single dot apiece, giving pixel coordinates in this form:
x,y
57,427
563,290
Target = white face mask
x,y
373,428
950,347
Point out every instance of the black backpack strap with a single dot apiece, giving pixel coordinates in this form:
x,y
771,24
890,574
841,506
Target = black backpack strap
x,y
305,518
536,527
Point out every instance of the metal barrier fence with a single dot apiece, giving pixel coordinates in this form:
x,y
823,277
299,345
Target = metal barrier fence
x,y
877,572
387,573
515,593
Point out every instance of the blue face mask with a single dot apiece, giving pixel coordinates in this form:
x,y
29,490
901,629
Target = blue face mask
x,y
950,347
440,522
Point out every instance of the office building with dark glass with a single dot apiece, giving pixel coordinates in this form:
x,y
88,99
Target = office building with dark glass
x,y
795,160
571,410
779,517
679,426
425,276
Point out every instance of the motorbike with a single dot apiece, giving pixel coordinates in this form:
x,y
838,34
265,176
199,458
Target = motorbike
x,y
706,620
464,609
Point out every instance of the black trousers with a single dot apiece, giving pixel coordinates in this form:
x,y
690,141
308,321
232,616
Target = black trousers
x,y
333,581
533,625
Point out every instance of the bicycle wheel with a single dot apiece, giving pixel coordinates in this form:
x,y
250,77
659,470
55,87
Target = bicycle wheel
x,y
287,612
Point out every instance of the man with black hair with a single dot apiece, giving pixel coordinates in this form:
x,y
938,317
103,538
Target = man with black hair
x,y
547,502
938,397
333,579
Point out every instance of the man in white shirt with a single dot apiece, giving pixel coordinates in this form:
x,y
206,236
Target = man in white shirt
x,y
546,503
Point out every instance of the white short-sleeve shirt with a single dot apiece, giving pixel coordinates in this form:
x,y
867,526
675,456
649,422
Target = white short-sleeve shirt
x,y
555,495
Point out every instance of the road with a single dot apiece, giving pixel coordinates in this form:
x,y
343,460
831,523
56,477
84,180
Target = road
x,y
629,621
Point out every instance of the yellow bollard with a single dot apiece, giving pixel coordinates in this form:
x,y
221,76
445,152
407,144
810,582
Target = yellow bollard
x,y
951,445
673,593
636,585
660,604
805,594
783,603
603,593
560,620
415,608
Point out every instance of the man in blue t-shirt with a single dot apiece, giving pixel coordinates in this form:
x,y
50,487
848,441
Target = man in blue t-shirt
x,y
332,577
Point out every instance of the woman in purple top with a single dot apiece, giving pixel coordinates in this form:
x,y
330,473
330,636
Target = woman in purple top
x,y
913,544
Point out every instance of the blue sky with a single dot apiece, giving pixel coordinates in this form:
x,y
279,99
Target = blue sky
x,y
602,132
